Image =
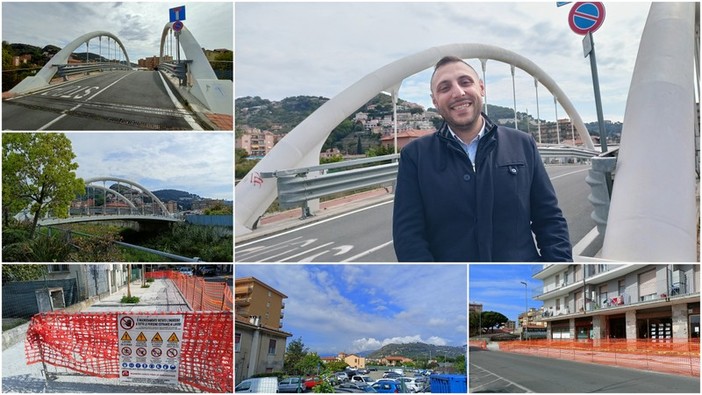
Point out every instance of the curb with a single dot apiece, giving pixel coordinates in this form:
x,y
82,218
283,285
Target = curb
x,y
200,117
14,335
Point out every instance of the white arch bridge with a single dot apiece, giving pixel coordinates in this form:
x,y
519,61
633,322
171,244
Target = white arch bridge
x,y
123,200
198,83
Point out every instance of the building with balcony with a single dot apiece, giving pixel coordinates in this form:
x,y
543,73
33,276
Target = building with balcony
x,y
624,301
260,342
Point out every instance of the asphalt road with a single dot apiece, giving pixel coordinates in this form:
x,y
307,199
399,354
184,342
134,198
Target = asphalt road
x,y
495,371
117,100
365,235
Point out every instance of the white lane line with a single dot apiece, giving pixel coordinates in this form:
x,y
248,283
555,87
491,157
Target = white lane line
x,y
306,252
63,114
364,253
525,389
188,118
313,224
571,173
107,87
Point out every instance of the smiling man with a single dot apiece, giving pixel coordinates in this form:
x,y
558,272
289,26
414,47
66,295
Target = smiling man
x,y
474,191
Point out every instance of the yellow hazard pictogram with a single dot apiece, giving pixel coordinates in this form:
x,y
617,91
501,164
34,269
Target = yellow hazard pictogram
x,y
126,336
141,337
157,338
173,338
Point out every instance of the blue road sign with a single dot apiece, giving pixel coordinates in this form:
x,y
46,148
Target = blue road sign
x,y
177,14
586,17
177,26
562,3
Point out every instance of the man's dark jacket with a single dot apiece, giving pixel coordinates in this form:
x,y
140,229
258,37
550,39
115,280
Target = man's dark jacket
x,y
446,211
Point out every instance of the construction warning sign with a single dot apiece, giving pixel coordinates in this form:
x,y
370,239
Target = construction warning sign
x,y
149,362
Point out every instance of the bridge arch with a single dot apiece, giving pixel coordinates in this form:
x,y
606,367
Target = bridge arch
x,y
216,94
301,147
144,190
47,72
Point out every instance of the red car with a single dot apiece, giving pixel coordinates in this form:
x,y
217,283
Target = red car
x,y
310,382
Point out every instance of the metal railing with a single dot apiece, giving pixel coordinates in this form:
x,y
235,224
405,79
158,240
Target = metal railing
x,y
64,70
296,187
180,70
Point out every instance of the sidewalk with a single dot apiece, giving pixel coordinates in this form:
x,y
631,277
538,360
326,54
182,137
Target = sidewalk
x,y
17,376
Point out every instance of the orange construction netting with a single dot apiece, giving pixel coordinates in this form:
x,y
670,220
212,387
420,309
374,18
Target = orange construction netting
x,y
88,343
201,295
660,355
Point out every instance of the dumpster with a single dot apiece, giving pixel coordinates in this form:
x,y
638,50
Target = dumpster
x,y
448,383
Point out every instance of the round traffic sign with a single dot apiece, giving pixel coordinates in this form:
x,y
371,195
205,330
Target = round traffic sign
x,y
126,351
172,352
126,323
177,26
586,17
141,351
156,352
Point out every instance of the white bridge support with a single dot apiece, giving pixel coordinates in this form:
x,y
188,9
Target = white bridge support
x,y
653,214
301,147
217,95
44,76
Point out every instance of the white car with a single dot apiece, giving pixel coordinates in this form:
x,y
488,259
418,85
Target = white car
x,y
185,270
362,379
410,383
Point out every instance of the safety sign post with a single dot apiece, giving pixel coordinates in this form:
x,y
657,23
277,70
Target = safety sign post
x,y
145,357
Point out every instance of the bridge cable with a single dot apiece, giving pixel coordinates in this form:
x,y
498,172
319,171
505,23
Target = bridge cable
x,y
514,97
538,116
558,132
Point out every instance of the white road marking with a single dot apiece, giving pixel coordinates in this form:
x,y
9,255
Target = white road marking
x,y
188,118
305,252
572,172
473,389
63,114
364,253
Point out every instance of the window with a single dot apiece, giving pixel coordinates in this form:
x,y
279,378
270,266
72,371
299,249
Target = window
x,y
695,326
603,294
558,304
57,268
621,288
558,283
271,347
647,285
237,342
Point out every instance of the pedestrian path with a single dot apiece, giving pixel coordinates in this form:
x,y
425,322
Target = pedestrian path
x,y
17,376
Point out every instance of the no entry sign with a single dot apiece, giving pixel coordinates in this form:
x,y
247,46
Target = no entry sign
x,y
586,17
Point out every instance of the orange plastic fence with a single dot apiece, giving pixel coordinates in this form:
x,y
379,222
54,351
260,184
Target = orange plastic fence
x,y
478,343
88,343
668,356
201,295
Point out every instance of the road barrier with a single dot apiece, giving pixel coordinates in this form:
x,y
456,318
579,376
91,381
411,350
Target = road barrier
x,y
200,294
664,355
482,344
88,343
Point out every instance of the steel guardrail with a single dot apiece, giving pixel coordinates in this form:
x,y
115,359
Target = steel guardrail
x,y
66,70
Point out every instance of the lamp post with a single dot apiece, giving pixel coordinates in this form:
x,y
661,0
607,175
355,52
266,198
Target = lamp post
x,y
526,312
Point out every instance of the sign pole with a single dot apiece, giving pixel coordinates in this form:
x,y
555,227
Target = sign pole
x,y
596,86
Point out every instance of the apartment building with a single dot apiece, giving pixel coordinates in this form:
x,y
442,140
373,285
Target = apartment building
x,y
260,341
624,301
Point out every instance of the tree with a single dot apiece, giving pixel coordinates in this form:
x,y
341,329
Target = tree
x,y
460,364
38,171
294,353
308,364
493,319
335,366
25,272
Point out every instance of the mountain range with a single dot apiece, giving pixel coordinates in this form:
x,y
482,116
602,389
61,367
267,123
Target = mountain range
x,y
414,351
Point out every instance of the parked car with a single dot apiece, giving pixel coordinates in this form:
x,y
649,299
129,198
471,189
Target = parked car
x,y
185,270
391,375
363,371
389,386
207,271
311,382
354,387
362,379
292,384
411,383
259,385
341,376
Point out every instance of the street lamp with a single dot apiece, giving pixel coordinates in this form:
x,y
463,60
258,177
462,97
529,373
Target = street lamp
x,y
526,312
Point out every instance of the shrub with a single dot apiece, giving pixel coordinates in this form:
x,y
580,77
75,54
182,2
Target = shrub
x,y
128,299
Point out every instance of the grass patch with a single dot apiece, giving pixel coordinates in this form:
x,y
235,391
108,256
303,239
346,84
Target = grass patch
x,y
128,299
146,285
150,280
8,324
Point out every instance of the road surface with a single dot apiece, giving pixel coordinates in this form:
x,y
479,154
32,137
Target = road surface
x,y
365,235
116,100
495,371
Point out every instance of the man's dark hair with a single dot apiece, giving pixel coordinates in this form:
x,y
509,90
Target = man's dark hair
x,y
446,60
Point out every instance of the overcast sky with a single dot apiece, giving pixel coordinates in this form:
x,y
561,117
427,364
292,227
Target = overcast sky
x,y
137,24
354,308
320,49
199,163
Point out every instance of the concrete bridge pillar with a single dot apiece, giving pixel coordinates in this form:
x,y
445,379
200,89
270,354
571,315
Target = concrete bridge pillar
x,y
680,324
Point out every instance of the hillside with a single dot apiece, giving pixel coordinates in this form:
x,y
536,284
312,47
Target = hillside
x,y
416,350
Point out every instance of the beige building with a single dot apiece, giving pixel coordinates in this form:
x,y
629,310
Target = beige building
x,y
259,341
352,360
395,360
256,142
